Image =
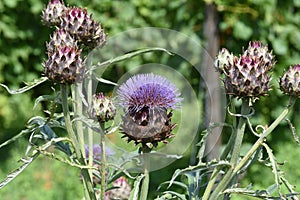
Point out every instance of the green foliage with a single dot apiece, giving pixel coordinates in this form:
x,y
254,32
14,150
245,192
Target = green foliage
x,y
43,179
286,155
21,52
22,49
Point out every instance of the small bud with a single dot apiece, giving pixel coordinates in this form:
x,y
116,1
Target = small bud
x,y
102,108
290,81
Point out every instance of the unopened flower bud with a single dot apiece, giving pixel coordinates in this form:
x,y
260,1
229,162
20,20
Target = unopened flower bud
x,y
247,76
290,81
52,13
102,108
83,28
64,65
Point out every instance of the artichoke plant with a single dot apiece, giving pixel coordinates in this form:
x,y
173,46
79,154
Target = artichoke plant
x,y
83,27
51,14
290,81
247,76
147,99
102,108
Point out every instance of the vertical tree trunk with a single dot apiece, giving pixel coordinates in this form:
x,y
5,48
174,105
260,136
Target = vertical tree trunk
x,y
213,100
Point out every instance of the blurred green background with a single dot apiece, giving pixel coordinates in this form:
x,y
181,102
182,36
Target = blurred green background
x,y
22,50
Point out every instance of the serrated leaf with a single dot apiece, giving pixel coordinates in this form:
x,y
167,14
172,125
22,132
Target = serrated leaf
x,y
27,87
206,132
12,175
21,134
274,166
296,138
244,191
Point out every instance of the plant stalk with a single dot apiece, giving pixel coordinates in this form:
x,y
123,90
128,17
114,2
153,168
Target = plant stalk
x,y
103,160
89,86
78,112
240,133
267,132
223,156
145,184
234,170
88,186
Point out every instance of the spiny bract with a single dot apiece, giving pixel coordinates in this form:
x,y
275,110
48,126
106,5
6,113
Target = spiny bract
x,y
246,76
290,81
83,27
146,99
64,65
51,14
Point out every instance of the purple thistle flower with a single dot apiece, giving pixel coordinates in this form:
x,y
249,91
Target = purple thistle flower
x,y
146,99
148,90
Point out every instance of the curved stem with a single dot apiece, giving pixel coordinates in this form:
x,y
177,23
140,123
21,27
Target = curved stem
x,y
233,171
267,132
234,143
88,186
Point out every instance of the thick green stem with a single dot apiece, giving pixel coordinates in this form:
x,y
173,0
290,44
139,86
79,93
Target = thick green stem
x,y
267,132
235,168
88,186
103,161
78,113
145,184
234,143
211,183
89,89
240,133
